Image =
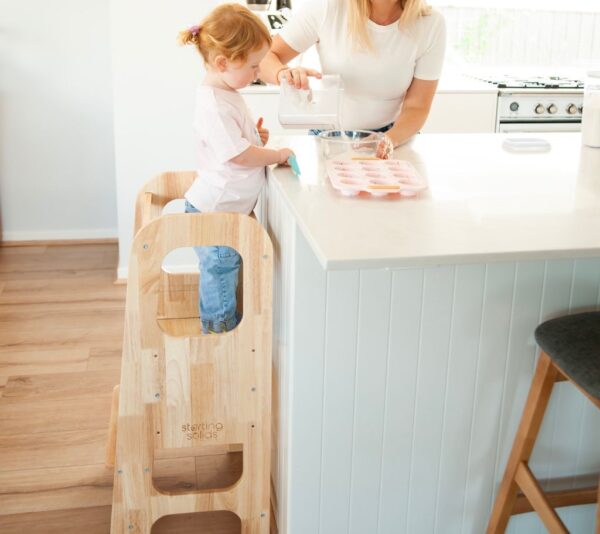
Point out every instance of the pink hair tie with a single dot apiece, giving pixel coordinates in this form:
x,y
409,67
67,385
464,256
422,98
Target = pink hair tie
x,y
194,30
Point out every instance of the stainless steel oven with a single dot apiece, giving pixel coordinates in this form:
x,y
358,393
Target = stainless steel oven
x,y
538,104
539,111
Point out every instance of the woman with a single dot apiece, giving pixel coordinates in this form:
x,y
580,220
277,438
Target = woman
x,y
389,54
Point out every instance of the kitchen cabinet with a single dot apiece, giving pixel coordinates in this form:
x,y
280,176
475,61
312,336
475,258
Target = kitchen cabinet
x,y
403,340
462,113
453,110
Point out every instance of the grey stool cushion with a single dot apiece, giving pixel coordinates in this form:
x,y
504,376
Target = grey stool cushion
x,y
573,343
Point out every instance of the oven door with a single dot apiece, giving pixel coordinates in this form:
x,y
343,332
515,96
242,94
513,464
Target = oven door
x,y
525,127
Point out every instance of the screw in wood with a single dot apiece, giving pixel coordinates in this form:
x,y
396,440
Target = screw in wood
x,y
145,246
157,395
130,527
146,469
262,514
253,388
119,471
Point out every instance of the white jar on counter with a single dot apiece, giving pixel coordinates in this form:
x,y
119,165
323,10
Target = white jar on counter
x,y
590,120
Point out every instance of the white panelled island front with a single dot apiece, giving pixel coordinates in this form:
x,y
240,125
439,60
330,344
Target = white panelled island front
x,y
404,341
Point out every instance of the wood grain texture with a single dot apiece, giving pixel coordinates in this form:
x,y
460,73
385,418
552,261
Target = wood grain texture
x,y
55,482
58,308
179,389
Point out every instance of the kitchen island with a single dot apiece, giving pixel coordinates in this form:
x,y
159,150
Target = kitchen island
x,y
404,347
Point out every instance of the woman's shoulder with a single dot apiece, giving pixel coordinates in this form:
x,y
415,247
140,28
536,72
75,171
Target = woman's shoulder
x,y
432,19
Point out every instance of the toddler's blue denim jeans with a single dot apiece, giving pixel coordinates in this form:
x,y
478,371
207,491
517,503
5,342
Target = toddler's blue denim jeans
x,y
219,271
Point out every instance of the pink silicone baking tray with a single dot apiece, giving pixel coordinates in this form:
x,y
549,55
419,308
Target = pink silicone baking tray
x,y
377,177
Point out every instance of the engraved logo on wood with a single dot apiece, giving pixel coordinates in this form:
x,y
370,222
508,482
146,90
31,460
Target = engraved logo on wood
x,y
202,431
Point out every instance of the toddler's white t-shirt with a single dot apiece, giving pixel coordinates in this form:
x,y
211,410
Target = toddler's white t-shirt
x,y
376,81
224,128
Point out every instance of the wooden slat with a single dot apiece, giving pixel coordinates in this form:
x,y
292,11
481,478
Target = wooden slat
x,y
111,440
558,499
218,470
531,420
534,493
96,520
179,296
187,327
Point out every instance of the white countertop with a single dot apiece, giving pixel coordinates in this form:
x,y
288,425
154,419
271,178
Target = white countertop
x,y
483,204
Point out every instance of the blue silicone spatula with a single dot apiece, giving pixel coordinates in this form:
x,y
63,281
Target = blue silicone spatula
x,y
294,165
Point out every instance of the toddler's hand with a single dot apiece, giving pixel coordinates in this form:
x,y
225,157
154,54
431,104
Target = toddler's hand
x,y
284,154
262,132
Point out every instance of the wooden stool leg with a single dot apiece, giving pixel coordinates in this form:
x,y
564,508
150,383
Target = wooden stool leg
x,y
531,421
111,442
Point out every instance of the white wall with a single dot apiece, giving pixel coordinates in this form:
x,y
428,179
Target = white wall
x,y
56,133
154,83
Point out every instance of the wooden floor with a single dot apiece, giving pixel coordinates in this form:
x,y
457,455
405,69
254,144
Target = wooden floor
x,y
61,326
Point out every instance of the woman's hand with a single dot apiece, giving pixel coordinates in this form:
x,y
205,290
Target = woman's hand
x,y
385,148
262,132
297,76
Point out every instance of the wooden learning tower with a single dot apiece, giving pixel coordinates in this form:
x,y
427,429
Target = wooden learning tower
x,y
183,395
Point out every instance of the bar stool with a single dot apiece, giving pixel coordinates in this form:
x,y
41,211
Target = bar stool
x,y
570,351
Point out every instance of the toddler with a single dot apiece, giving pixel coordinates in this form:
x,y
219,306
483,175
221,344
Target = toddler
x,y
231,156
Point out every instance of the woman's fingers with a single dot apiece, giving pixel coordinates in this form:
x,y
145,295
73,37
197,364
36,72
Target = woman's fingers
x,y
303,79
385,148
314,73
298,76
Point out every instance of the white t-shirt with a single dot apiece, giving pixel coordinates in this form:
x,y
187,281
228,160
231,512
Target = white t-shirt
x,y
376,81
224,128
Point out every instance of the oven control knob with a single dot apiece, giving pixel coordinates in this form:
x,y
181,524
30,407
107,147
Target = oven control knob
x,y
539,109
572,109
552,109
514,106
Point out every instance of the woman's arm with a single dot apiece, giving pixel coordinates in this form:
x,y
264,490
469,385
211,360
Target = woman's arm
x,y
274,66
415,110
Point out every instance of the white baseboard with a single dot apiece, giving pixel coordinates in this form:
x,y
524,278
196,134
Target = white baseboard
x,y
61,235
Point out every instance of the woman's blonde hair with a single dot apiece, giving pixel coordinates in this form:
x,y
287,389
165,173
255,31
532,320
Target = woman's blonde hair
x,y
360,10
231,30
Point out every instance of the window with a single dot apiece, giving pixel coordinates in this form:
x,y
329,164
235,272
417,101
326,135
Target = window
x,y
520,33
539,33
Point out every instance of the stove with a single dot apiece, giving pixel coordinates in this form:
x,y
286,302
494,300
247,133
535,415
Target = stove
x,y
537,103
